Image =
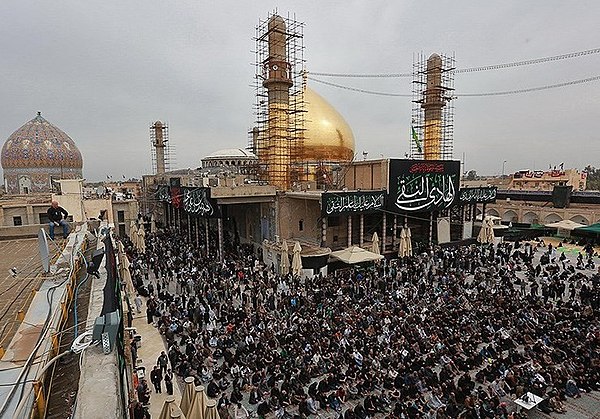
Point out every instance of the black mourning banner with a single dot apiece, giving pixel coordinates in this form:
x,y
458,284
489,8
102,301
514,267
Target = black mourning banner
x,y
351,202
481,195
194,201
423,185
197,201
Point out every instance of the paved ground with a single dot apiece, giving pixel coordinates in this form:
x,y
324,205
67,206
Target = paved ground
x,y
152,345
16,291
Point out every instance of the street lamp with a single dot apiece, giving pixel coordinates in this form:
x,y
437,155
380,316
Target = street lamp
x,y
503,163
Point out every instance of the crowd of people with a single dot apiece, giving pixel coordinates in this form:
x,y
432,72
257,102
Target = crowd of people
x,y
449,333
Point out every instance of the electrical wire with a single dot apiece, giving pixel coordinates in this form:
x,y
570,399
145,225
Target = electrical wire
x,y
29,362
356,89
456,95
531,89
87,275
471,69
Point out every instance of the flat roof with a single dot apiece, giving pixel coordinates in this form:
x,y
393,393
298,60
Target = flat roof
x,y
16,291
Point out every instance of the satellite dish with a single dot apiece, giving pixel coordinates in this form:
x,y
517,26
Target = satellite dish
x,y
44,251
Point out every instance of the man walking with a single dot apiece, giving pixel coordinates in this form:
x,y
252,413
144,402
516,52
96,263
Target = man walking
x,y
162,361
156,378
57,216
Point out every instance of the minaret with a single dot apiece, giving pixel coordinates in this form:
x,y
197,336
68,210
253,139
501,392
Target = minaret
x,y
159,143
278,81
432,105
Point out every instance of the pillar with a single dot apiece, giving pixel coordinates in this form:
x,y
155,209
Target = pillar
x,y
349,230
431,229
30,217
220,234
395,229
384,232
189,228
206,232
362,230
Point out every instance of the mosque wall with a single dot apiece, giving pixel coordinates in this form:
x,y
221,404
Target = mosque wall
x,y
299,219
531,213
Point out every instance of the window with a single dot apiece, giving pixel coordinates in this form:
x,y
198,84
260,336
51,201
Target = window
x,y
121,230
121,216
301,225
17,220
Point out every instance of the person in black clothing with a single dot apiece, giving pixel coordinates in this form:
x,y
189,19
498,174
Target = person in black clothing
x,y
169,382
156,378
57,216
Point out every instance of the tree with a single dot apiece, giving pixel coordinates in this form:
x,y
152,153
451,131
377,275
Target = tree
x,y
593,178
471,175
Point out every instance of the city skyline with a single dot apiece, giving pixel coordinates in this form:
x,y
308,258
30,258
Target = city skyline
x,y
103,74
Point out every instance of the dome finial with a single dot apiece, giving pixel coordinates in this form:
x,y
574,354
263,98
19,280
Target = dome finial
x,y
39,113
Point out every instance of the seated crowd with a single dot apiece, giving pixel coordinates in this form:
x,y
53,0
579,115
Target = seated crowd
x,y
449,333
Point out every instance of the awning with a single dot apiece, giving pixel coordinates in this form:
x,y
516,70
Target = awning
x,y
354,254
594,228
565,225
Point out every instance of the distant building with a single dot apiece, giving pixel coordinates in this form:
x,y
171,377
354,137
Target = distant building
x,y
37,154
232,160
24,215
540,180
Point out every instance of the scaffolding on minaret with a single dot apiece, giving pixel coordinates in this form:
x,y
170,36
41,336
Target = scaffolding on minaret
x,y
277,136
432,130
162,149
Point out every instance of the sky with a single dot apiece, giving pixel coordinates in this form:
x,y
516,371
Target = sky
x,y
102,71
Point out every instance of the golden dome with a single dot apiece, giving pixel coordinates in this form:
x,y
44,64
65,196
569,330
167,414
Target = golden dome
x,y
327,135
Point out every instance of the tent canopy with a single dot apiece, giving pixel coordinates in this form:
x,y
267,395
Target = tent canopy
x,y
565,225
593,228
354,254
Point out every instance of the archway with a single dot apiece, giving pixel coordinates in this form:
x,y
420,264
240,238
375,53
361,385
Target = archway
x,y
531,218
552,218
580,219
510,216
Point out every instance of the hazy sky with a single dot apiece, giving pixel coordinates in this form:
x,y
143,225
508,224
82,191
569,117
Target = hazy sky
x,y
103,70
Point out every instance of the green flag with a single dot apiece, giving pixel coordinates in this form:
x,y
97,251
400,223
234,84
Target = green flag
x,y
416,139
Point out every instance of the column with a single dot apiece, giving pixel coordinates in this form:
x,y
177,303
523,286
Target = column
x,y
431,229
362,230
220,233
384,233
206,232
349,230
30,217
189,228
395,229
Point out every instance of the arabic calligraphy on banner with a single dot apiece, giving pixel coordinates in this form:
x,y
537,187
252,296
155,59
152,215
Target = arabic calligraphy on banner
x,y
197,202
423,185
351,202
480,195
163,194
